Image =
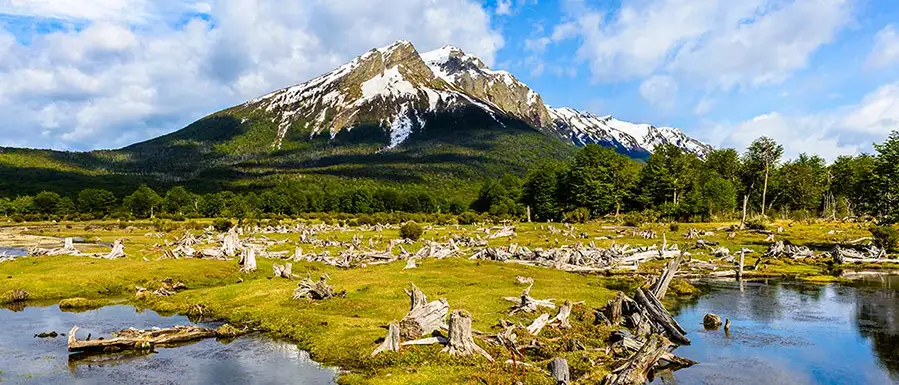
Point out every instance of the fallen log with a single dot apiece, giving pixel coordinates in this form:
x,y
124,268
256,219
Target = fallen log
x,y
661,286
636,370
460,342
535,327
659,315
133,339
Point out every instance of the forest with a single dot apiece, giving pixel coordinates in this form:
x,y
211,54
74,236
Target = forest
x,y
671,185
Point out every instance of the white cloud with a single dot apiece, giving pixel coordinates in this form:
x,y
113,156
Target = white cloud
x,y
717,43
660,91
504,7
886,48
133,70
848,130
704,106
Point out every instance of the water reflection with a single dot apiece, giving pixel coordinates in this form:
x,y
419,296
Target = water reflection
x,y
794,333
246,360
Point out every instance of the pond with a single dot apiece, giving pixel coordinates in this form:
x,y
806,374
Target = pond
x,y
793,333
253,359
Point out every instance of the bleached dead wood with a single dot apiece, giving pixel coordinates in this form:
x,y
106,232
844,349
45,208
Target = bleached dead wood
x,y
529,304
535,327
636,370
118,251
660,316
524,280
284,271
563,315
231,242
247,260
391,341
668,273
460,342
558,368
316,290
410,264
133,339
424,319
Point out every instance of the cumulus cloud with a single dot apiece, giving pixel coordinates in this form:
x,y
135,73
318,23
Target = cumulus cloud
x,y
849,130
886,48
660,91
717,43
134,69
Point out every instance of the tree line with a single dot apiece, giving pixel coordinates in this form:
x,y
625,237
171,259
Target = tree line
x,y
672,185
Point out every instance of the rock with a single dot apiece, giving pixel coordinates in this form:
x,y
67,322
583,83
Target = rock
x,y
711,321
51,334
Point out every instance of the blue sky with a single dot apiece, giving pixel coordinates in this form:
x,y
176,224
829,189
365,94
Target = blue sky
x,y
819,76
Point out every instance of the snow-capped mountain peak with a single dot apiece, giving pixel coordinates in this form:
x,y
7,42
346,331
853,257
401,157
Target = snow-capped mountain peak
x,y
398,89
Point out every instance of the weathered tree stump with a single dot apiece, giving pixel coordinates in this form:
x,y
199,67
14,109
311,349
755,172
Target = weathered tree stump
x,y
118,250
231,242
391,341
410,264
283,271
315,290
564,314
424,319
460,341
248,260
558,368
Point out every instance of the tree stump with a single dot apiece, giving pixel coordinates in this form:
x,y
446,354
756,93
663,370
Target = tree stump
x,y
535,327
558,368
410,264
564,314
423,320
460,341
248,260
528,304
391,341
231,242
283,271
118,250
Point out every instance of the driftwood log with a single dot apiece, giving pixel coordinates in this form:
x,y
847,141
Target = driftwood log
x,y
460,342
636,370
133,339
660,316
668,273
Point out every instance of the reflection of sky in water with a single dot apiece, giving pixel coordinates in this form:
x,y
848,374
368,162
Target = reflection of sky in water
x,y
12,251
790,333
246,360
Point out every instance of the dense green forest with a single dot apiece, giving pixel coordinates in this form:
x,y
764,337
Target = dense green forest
x,y
595,182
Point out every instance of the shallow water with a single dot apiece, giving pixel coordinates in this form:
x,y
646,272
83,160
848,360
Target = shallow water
x,y
793,333
253,359
12,251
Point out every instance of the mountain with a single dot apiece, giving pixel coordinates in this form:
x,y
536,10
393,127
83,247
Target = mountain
x,y
392,115
397,88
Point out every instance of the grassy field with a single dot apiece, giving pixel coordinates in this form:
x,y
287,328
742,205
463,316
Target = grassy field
x,y
343,331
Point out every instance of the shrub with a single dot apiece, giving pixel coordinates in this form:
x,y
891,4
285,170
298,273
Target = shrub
x,y
468,218
411,230
674,226
578,215
757,223
222,225
886,237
